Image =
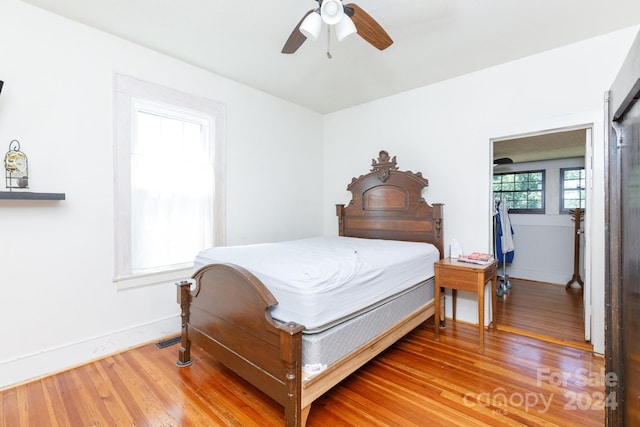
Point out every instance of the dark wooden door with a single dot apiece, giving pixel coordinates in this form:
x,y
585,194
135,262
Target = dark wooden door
x,y
623,296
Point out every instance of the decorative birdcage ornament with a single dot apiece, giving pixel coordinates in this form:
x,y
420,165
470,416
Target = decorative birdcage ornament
x,y
16,165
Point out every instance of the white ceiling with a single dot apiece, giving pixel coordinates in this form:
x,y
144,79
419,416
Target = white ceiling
x,y
433,39
545,146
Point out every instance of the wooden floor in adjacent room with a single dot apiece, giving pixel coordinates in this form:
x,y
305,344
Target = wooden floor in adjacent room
x,y
544,310
418,382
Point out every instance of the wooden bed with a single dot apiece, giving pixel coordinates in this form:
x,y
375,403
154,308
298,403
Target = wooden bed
x,y
227,311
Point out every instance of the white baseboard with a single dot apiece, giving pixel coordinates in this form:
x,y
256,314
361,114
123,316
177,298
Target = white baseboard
x,y
537,276
52,360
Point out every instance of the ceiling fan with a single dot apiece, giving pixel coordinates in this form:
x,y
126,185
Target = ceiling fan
x,y
346,20
502,161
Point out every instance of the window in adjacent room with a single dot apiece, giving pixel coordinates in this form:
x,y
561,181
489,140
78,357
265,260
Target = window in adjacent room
x,y
572,189
168,169
523,191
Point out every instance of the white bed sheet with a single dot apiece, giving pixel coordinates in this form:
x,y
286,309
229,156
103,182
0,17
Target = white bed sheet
x,y
320,281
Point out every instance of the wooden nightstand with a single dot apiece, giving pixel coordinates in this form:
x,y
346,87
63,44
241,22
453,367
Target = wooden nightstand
x,y
453,274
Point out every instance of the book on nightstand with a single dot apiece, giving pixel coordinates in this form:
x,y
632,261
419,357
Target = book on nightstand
x,y
477,258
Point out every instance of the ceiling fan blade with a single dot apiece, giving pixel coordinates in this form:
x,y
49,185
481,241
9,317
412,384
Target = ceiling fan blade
x,y
296,38
503,161
369,29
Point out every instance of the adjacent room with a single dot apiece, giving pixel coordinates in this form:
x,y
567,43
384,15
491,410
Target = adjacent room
x,y
146,141
541,178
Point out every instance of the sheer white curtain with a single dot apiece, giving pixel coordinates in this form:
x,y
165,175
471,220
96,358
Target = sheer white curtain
x,y
172,194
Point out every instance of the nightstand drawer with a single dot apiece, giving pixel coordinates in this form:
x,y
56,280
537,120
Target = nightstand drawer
x,y
460,279
490,272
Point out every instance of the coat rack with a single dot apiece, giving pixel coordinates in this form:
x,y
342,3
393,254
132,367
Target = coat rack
x,y
578,215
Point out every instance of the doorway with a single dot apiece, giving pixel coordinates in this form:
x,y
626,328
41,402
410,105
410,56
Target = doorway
x,y
550,237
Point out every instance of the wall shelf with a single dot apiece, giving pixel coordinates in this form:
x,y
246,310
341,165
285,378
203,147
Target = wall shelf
x,y
24,195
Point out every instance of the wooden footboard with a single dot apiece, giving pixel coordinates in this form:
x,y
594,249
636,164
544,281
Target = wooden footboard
x,y
227,315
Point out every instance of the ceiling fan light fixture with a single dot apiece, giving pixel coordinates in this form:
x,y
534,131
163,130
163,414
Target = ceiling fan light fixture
x,y
331,11
345,28
312,25
346,18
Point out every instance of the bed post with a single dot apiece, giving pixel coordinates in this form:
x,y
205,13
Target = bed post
x,y
340,213
291,354
184,299
437,219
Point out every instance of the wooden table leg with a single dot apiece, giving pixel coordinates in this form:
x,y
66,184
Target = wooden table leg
x,y
436,315
481,284
454,297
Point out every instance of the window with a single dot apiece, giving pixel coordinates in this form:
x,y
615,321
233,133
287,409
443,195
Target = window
x,y
168,173
522,191
572,189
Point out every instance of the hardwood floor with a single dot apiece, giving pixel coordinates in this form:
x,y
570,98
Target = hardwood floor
x,y
543,310
518,381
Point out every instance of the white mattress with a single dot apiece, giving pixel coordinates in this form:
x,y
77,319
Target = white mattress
x,y
321,281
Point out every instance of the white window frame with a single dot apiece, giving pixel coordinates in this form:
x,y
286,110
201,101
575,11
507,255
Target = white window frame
x,y
582,190
499,192
127,92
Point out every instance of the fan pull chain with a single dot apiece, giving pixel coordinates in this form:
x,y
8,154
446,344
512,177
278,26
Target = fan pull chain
x,y
329,42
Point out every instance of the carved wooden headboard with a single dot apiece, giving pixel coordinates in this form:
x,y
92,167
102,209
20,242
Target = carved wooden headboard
x,y
387,204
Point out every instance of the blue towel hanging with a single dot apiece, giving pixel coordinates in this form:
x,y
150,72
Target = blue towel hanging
x,y
501,227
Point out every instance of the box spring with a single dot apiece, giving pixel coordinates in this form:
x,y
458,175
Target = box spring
x,y
321,349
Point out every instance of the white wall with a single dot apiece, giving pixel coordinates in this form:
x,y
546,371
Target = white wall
x,y
444,130
58,304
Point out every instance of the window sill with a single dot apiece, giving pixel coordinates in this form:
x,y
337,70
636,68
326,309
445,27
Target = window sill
x,y
137,281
